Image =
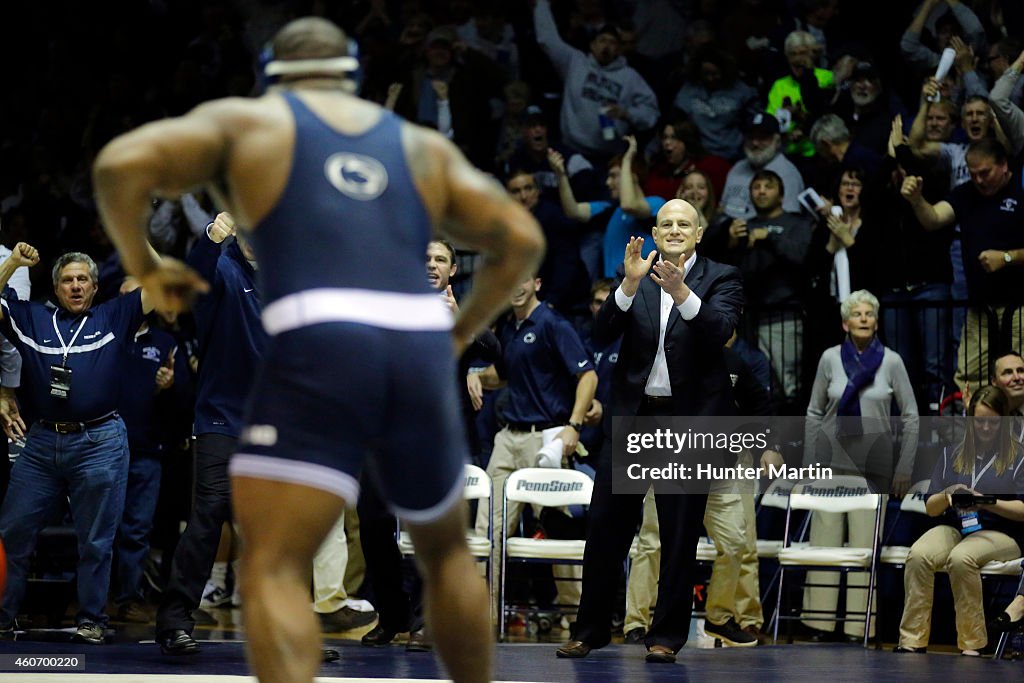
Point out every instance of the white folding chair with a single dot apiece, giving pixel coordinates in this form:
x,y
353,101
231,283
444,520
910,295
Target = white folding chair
x,y
839,494
478,487
776,496
913,503
543,487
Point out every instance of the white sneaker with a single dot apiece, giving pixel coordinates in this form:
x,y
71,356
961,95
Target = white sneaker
x,y
218,597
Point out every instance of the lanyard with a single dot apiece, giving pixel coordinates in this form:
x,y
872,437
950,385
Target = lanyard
x,y
975,475
67,347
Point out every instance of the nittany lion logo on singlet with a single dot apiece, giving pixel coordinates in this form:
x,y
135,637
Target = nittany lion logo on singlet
x,y
356,176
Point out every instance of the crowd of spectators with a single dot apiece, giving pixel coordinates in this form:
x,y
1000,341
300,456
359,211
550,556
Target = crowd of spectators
x,y
807,89
810,134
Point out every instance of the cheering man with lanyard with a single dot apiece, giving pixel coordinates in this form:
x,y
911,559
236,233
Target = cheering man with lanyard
x,y
73,358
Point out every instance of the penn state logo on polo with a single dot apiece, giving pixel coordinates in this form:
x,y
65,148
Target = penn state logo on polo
x,y
356,175
529,337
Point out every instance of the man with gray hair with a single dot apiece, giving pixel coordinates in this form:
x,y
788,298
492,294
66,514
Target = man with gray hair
x,y
832,139
71,357
800,96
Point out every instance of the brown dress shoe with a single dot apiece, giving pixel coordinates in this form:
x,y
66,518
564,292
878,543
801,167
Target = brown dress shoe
x,y
574,649
659,654
762,637
419,642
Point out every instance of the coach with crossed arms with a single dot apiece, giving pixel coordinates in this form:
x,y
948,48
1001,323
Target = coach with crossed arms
x,y
674,311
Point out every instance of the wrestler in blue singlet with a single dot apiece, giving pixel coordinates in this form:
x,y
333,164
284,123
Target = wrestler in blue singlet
x,y
359,365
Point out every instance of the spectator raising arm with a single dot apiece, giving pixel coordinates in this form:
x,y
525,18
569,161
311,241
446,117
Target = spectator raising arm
x,y
1008,115
577,211
631,197
931,216
925,58
966,64
23,254
919,143
558,51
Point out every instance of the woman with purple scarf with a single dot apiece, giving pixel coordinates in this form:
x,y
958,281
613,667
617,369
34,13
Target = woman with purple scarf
x,y
849,428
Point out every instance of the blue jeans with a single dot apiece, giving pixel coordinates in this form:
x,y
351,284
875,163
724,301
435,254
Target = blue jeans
x,y
92,467
922,337
136,523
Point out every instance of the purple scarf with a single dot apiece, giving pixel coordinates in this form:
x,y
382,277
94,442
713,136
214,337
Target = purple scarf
x,y
860,369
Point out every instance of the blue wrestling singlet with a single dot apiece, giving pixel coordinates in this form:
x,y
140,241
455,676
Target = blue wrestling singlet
x,y
359,365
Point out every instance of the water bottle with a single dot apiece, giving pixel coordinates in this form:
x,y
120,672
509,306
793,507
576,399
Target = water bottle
x,y
608,131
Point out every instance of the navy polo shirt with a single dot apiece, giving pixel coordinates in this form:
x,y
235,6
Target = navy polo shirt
x,y
1006,486
231,336
96,359
995,222
541,359
147,351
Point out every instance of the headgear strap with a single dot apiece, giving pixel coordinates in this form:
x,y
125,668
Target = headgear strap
x,y
341,65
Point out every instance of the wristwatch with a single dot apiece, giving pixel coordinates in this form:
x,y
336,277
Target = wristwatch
x,y
1007,258
578,426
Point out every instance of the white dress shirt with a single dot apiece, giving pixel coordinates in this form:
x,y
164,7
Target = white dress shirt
x,y
658,383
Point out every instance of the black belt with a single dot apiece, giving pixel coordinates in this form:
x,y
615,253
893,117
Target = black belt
x,y
76,427
532,426
657,400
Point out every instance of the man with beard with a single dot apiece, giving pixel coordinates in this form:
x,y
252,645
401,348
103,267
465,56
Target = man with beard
x,y
762,149
867,108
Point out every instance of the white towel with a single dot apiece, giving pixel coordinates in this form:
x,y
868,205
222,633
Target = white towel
x,y
550,455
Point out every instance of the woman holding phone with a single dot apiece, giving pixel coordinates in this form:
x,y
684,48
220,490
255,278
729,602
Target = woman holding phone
x,y
976,490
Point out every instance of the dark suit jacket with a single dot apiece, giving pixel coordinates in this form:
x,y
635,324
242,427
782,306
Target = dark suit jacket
x,y
693,348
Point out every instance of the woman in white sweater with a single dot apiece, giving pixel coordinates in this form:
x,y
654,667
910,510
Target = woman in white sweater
x,y
848,428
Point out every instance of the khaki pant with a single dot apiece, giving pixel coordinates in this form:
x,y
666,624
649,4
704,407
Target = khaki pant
x,y
339,567
734,588
829,529
642,586
945,549
515,451
972,356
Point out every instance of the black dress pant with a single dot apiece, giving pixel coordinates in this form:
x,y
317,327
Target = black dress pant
x,y
197,549
399,609
614,520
